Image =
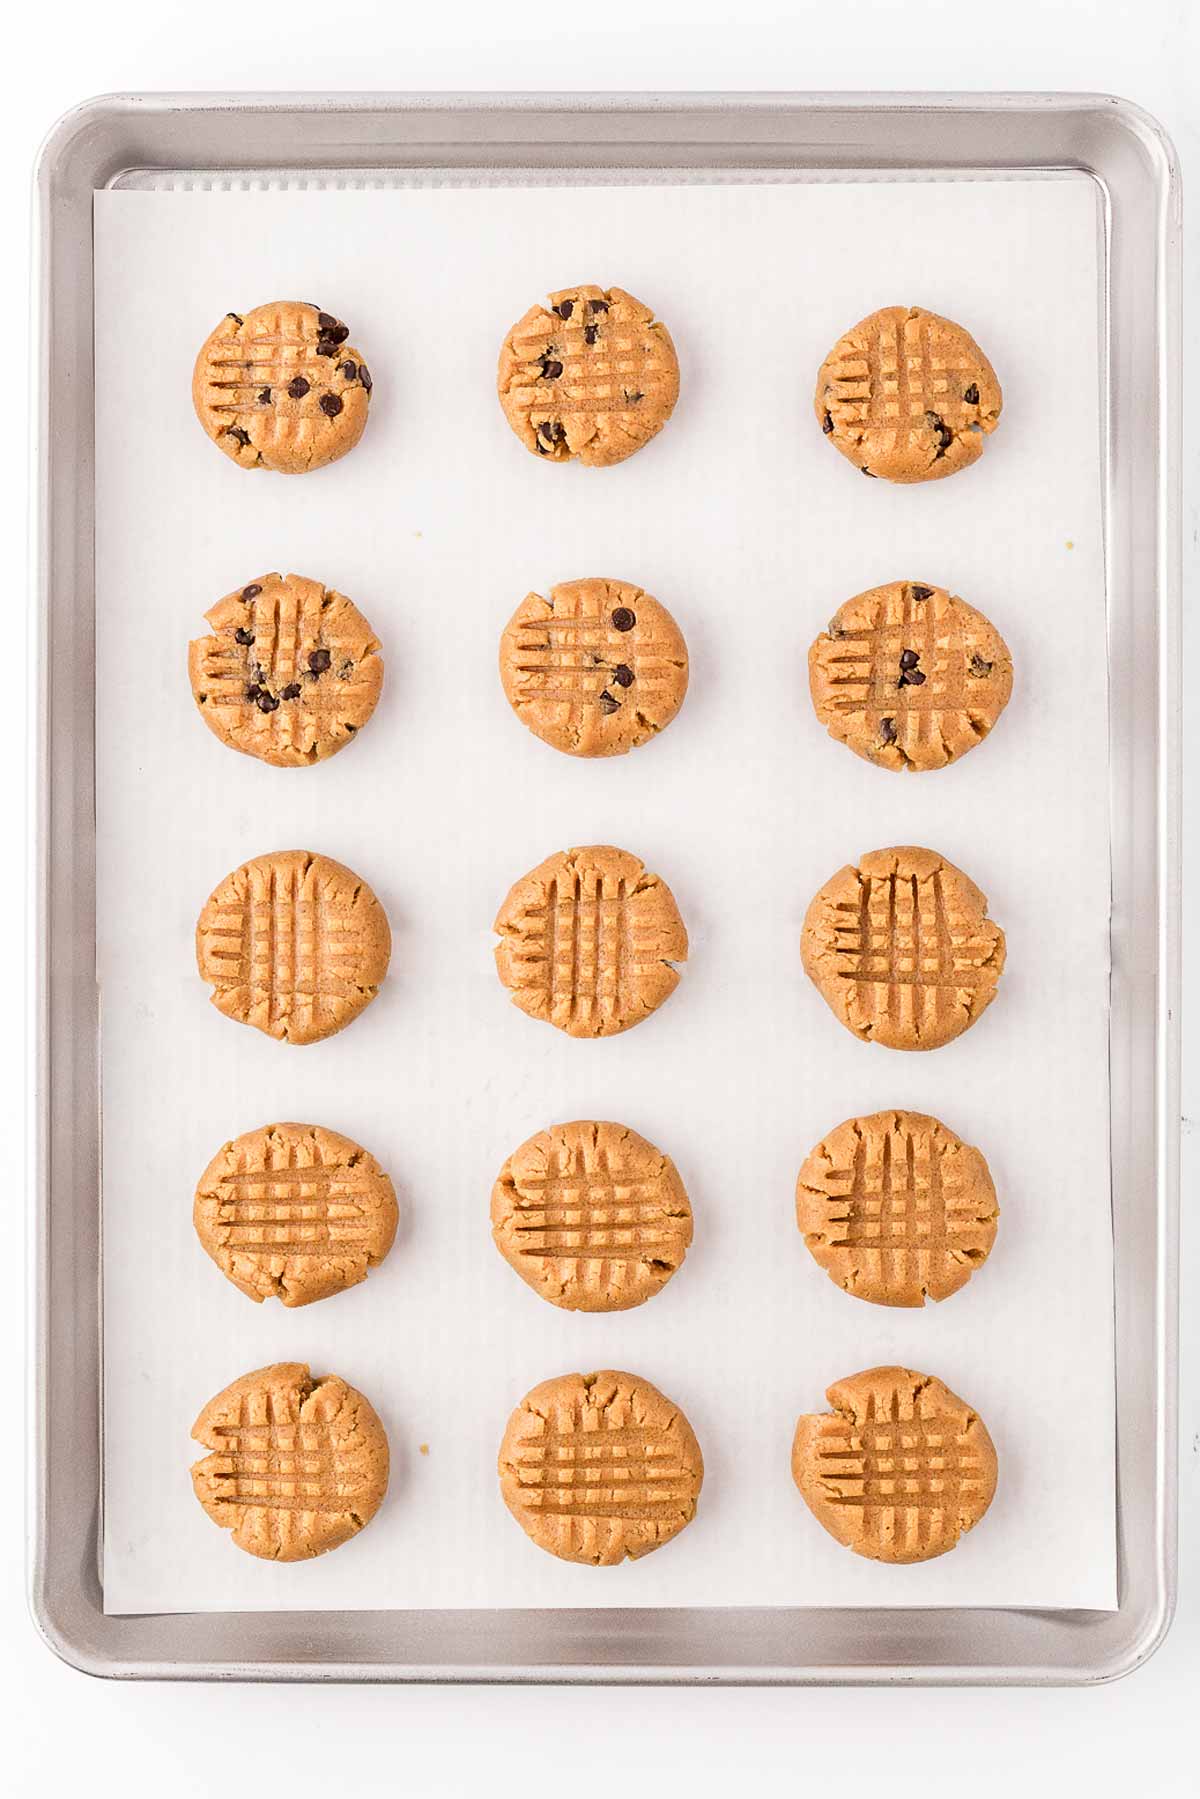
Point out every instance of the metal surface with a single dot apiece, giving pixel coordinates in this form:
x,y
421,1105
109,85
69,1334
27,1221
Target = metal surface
x,y
364,139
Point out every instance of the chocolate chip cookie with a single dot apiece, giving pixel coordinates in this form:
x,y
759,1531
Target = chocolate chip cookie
x,y
592,1216
907,396
291,672
280,388
294,1212
896,1208
589,940
909,676
899,1470
597,669
294,944
902,949
592,374
295,1467
600,1468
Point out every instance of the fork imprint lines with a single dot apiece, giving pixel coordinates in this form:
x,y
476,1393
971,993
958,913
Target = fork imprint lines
x,y
278,1459
910,1470
624,1472
908,1213
901,381
868,665
590,1214
580,946
889,942
321,1221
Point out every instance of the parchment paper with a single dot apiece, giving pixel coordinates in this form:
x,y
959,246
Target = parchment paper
x,y
752,530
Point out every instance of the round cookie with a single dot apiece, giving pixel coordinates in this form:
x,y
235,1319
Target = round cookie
x,y
896,1209
909,676
296,1465
907,395
901,948
280,388
600,1468
588,940
591,1216
592,374
294,944
295,1212
597,669
900,1468
291,672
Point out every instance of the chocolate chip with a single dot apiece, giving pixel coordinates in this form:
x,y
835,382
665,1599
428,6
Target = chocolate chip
x,y
252,592
551,368
597,305
331,405
546,430
972,395
565,308
264,398
348,371
242,636
887,730
827,424
326,321
909,658
942,431
318,661
632,399
266,702
235,431
237,316
540,448
326,346
979,667
623,675
914,678
291,691
590,333
868,472
298,387
253,691
608,702
921,593
339,334
623,619
364,375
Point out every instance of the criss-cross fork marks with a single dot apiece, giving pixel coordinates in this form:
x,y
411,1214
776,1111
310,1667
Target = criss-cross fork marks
x,y
868,670
572,660
284,623
281,939
607,366
275,1461
890,1463
626,1471
894,1199
586,1211
584,945
901,935
898,377
290,1209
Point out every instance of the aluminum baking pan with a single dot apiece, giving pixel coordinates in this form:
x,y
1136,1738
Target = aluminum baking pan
x,y
166,140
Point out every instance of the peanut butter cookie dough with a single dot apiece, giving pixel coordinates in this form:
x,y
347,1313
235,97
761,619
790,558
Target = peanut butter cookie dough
x,y
909,676
591,1216
899,1470
294,944
295,1212
896,1209
592,374
902,950
597,669
907,396
291,672
280,388
588,941
600,1468
296,1465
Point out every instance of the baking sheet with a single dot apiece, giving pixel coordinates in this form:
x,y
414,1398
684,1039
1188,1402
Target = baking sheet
x,y
741,519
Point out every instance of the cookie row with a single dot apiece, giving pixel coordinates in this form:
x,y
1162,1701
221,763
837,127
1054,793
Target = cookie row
x,y
596,1468
894,1206
907,674
592,376
900,946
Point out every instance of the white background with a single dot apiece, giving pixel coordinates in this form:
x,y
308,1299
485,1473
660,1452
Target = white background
x,y
134,1740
